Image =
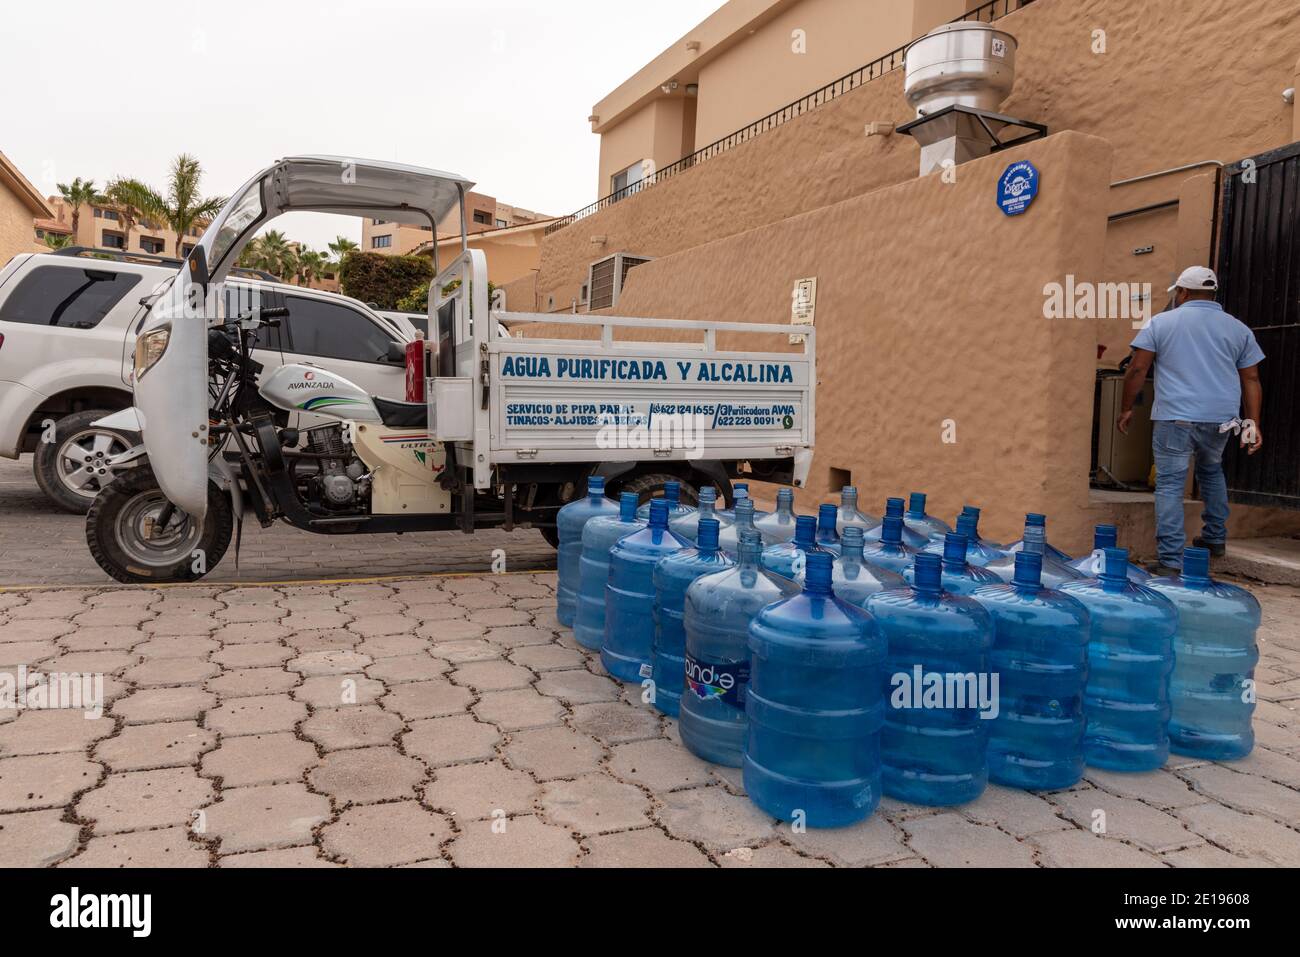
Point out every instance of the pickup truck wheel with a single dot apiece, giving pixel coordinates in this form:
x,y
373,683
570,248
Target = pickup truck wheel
x,y
122,532
645,487
73,468
551,534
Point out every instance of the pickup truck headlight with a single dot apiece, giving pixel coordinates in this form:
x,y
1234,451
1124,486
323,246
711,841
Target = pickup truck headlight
x,y
149,348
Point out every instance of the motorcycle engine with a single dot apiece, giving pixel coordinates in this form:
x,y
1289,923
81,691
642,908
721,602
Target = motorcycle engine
x,y
341,481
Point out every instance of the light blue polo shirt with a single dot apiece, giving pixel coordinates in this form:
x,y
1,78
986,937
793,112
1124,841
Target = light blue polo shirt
x,y
1199,349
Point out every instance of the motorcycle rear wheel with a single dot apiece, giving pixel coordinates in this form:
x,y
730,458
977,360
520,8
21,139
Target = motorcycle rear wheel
x,y
123,538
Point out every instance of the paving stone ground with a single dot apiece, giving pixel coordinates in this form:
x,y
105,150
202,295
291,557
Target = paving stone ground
x,y
451,721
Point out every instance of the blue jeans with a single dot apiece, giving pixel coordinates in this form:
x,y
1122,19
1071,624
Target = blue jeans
x,y
1173,444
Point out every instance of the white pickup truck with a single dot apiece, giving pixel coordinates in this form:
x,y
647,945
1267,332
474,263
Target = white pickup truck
x,y
502,432
67,334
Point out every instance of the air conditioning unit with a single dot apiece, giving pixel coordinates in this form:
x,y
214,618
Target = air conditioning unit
x,y
605,278
1122,460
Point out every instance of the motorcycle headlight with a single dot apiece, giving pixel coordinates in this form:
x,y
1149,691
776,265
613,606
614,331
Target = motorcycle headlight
x,y
149,348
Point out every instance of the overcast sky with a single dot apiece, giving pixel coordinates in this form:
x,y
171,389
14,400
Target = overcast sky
x,y
494,90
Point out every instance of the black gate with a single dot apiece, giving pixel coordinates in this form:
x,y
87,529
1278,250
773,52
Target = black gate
x,y
1259,271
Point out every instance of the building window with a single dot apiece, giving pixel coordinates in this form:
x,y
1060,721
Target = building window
x,y
111,214
40,234
151,244
502,224
113,240
381,242
377,222
187,249
482,217
626,180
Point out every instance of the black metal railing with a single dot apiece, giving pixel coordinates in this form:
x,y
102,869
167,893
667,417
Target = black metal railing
x,y
986,13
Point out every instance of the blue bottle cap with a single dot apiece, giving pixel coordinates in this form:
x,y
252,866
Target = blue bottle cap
x,y
785,497
894,506
852,538
595,485
826,516
929,572
673,492
1116,567
706,538
708,495
954,548
1105,536
967,524
1029,569
750,547
891,531
1036,518
745,511
658,513
627,506
970,510
916,502
817,573
805,530
740,487
848,494
1196,563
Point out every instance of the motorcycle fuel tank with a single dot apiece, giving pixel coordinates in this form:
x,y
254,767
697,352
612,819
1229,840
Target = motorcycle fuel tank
x,y
300,387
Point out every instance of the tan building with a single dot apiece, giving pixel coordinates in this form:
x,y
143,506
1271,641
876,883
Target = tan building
x,y
747,60
939,367
101,226
482,213
20,204
513,253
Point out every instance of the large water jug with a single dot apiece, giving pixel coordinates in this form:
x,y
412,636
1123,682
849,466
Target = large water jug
x,y
569,524
974,513
827,537
1040,655
778,526
673,496
942,698
739,490
960,577
979,551
686,524
918,521
1130,659
729,537
890,552
1214,662
1055,572
849,516
628,648
672,577
719,608
894,508
852,578
815,706
1039,520
1091,565
598,537
787,558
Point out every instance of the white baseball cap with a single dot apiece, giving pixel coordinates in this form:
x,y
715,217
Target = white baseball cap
x,y
1196,277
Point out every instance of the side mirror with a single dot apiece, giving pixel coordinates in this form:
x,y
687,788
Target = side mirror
x,y
396,353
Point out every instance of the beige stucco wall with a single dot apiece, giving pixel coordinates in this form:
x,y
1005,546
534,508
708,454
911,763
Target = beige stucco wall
x,y
15,226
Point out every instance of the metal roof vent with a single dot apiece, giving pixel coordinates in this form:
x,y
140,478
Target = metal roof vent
x,y
956,77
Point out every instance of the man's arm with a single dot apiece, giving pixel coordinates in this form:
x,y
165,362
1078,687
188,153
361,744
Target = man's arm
x,y
1252,400
1134,379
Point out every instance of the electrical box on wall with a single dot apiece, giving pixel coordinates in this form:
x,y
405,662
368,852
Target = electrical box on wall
x,y
803,305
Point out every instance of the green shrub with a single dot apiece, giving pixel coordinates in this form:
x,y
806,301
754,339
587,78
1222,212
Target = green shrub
x,y
383,280
418,300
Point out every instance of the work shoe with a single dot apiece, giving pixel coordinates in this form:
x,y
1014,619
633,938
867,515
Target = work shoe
x,y
1216,549
1164,571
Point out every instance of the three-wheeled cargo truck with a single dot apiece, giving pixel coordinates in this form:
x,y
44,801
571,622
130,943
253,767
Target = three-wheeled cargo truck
x,y
503,429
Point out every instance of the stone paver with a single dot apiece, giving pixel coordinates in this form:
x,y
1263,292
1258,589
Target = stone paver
x,y
432,722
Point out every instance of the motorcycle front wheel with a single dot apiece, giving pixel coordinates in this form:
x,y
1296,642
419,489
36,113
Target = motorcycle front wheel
x,y
138,537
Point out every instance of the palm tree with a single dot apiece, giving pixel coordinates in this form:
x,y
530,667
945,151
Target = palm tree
x,y
311,264
273,253
75,194
58,240
341,247
134,201
183,207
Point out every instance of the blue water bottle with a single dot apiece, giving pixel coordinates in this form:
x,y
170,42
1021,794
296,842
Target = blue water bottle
x,y
672,577
815,705
719,609
1040,655
1091,565
827,537
787,558
1214,662
894,508
960,577
1039,520
890,552
1055,572
739,490
1130,659
598,537
673,496
729,537
569,525
628,648
941,696
852,578
686,524
849,516
978,551
918,521
778,526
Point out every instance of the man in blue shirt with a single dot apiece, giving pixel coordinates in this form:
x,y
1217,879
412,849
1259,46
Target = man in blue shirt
x,y
1207,388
